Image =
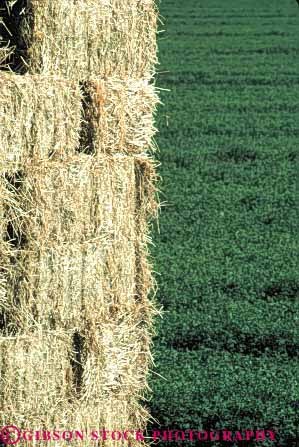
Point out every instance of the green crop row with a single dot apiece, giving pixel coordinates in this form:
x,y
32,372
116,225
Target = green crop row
x,y
233,325
220,390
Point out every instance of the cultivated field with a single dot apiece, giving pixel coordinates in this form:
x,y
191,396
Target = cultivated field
x,y
228,247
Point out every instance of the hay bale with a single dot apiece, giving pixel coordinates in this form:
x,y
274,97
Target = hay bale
x,y
77,252
39,117
76,200
35,379
116,359
77,39
116,353
67,285
119,116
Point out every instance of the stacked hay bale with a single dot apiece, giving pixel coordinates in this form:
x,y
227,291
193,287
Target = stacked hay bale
x,y
78,191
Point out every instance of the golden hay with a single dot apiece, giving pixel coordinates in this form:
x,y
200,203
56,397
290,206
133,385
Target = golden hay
x,y
87,277
77,194
116,353
43,118
35,379
79,39
38,391
66,285
91,280
119,116
116,358
79,199
77,253
5,248
39,117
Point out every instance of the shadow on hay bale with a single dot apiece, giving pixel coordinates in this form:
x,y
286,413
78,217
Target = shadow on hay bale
x,y
12,47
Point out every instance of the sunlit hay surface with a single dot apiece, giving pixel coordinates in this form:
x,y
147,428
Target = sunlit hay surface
x,y
46,117
38,390
78,239
117,354
119,116
79,39
35,379
100,384
39,117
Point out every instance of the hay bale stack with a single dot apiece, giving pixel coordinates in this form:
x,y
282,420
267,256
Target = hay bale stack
x,y
79,39
78,192
39,117
78,266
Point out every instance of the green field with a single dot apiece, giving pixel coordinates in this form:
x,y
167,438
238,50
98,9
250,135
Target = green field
x,y
228,248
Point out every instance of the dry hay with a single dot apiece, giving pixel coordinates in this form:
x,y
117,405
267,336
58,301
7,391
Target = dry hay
x,y
79,260
116,358
119,116
38,391
35,379
77,39
39,117
43,118
77,253
77,263
116,354
5,248
7,48
116,351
